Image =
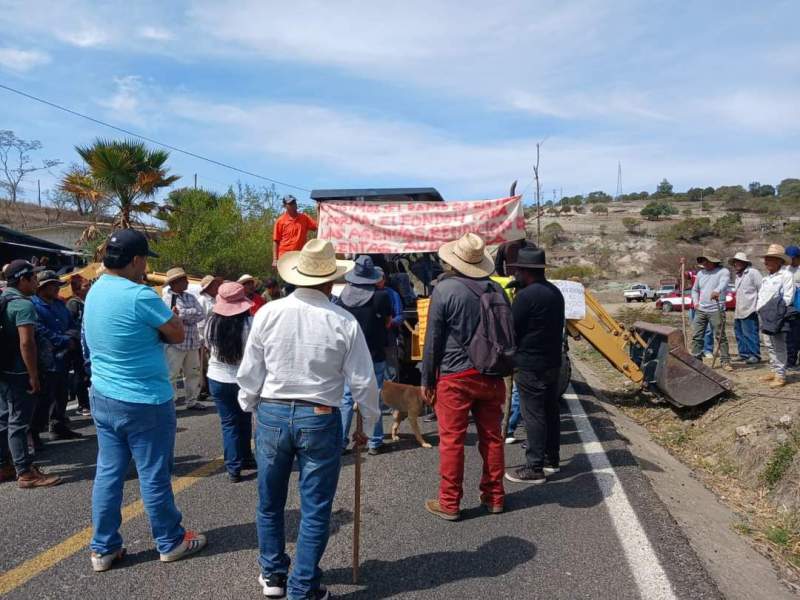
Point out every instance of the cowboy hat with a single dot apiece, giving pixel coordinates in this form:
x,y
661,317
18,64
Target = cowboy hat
x,y
364,272
530,258
776,251
741,257
174,274
231,300
245,278
710,256
313,265
207,281
467,255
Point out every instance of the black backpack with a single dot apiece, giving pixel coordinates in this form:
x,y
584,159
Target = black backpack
x,y
8,338
492,346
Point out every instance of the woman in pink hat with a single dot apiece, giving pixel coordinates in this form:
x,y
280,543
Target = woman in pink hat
x,y
225,337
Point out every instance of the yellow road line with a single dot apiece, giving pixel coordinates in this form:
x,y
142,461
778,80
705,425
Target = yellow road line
x,y
31,568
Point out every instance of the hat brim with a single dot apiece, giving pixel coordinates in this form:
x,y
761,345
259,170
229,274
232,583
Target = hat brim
x,y
734,259
287,269
351,277
169,280
785,258
230,309
484,268
58,282
712,259
528,266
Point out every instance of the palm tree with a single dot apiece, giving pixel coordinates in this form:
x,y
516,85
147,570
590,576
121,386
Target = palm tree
x,y
129,173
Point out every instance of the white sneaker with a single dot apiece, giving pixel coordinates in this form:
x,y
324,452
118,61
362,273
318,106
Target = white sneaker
x,y
708,354
511,440
192,542
103,562
274,586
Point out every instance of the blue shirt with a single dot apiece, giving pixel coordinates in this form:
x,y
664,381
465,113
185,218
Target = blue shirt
x,y
121,322
55,329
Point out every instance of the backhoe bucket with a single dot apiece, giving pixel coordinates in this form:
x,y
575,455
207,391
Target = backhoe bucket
x,y
667,366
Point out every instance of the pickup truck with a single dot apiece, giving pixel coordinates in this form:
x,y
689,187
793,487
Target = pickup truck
x,y
640,292
665,290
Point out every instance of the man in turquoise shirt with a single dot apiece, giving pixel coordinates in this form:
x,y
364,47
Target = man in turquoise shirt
x,y
132,403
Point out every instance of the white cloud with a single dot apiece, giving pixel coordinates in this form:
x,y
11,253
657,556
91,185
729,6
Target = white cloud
x,y
20,61
766,112
157,34
85,36
131,102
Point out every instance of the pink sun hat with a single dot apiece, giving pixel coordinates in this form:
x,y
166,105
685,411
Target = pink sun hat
x,y
231,300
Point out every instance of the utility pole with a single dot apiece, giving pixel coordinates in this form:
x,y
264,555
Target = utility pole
x,y
39,191
195,181
619,180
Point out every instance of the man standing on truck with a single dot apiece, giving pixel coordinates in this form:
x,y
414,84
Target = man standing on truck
x,y
291,230
708,297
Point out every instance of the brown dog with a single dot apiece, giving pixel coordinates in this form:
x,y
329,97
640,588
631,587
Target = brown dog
x,y
406,401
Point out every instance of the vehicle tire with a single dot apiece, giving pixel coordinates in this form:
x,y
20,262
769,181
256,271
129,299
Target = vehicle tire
x,y
565,376
666,307
628,299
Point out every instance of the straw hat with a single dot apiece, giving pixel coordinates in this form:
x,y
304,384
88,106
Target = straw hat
x,y
740,256
207,281
174,274
467,255
315,264
245,278
231,300
776,251
710,256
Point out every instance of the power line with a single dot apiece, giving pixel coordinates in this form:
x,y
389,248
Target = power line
x,y
151,140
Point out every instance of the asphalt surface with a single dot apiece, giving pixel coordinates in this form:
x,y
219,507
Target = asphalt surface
x,y
554,541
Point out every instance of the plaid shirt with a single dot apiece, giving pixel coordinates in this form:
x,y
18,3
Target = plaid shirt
x,y
191,313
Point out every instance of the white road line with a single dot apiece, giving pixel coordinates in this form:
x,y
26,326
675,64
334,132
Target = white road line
x,y
650,577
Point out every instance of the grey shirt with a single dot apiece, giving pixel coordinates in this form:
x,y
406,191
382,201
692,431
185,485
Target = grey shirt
x,y
453,317
705,284
747,285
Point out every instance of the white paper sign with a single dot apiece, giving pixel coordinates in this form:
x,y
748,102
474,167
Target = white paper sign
x,y
574,298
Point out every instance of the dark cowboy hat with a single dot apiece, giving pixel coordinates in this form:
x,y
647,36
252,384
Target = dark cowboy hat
x,y
530,258
365,271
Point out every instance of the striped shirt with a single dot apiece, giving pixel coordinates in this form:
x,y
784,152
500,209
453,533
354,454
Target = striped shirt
x,y
190,313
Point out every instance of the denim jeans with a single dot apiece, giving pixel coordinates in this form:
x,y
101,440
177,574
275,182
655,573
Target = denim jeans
x,y
376,440
513,419
747,336
793,342
146,433
541,411
237,425
313,435
16,411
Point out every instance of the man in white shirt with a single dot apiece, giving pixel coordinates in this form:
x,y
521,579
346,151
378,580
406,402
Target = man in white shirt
x,y
778,282
301,351
745,326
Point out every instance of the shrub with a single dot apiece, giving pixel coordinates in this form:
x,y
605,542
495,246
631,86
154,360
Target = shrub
x,y
599,209
689,230
631,225
729,227
579,272
552,233
657,209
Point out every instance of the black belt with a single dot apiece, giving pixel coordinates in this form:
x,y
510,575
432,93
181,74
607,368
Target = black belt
x,y
297,402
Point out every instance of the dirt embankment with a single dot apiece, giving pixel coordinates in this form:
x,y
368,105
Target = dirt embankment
x,y
744,447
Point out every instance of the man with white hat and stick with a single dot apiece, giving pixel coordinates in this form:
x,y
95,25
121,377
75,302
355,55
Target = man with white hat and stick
x,y
301,351
185,356
745,325
776,294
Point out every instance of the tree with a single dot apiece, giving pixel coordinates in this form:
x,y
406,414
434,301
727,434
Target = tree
x,y
754,188
552,233
766,191
664,188
599,209
631,225
598,196
695,194
16,162
129,173
789,188
708,191
655,210
80,190
688,230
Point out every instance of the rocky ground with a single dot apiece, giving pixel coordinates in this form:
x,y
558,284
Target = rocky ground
x,y
743,447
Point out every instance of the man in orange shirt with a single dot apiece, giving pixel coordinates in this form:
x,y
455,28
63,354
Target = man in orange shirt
x,y
291,230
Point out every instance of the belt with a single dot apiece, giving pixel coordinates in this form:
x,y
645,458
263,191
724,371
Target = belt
x,y
292,401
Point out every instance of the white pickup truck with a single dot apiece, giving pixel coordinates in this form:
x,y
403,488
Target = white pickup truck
x,y
640,292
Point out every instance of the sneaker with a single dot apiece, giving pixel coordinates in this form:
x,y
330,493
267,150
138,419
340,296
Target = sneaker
x,y
84,412
492,509
431,418
550,468
196,406
274,586
192,543
524,444
62,432
752,360
103,562
35,478
708,354
374,451
7,472
321,593
526,475
234,477
777,382
511,440
432,506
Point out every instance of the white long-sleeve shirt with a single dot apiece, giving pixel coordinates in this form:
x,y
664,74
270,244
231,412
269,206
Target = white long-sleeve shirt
x,y
304,347
781,282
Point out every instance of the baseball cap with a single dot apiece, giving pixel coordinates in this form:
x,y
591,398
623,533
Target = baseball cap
x,y
45,277
128,243
288,199
792,251
17,269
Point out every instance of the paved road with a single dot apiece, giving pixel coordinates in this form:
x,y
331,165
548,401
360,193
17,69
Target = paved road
x,y
596,530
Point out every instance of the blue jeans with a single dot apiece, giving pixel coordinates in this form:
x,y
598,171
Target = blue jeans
x,y
237,425
146,433
513,419
376,440
747,336
312,434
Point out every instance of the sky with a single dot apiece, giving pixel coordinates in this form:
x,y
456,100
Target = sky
x,y
449,94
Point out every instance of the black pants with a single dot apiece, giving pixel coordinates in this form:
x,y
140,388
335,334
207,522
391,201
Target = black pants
x,y
51,406
793,342
16,408
79,380
538,395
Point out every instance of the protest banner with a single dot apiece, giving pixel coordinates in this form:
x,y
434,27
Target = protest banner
x,y
574,298
395,227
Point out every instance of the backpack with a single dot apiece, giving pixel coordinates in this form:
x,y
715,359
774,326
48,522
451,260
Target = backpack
x,y
9,338
492,346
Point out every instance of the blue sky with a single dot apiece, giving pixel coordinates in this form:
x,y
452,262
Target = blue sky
x,y
448,94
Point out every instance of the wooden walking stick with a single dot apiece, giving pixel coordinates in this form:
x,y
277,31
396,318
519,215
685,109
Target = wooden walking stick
x,y
683,305
357,498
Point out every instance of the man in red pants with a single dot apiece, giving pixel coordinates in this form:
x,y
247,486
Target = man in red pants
x,y
451,380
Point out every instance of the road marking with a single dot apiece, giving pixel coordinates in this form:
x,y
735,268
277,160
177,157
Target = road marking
x,y
20,575
650,577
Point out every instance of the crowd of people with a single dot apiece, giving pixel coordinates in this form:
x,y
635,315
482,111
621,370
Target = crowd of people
x,y
765,314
